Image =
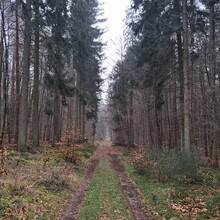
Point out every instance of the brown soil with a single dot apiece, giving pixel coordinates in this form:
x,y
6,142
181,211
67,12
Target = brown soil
x,y
71,211
129,191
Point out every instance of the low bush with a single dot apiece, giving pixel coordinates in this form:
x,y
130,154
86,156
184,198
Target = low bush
x,y
162,165
72,157
54,184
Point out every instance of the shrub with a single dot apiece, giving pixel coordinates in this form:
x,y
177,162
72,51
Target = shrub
x,y
54,184
72,157
164,165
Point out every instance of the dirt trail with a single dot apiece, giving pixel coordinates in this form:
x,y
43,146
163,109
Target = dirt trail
x,y
105,151
71,211
136,208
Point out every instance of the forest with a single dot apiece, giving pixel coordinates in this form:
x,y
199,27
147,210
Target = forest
x,y
164,90
50,70
149,150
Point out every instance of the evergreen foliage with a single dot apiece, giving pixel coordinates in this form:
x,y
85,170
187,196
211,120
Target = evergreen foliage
x,y
86,49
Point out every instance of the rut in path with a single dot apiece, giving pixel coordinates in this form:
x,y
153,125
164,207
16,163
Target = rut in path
x,y
72,209
128,189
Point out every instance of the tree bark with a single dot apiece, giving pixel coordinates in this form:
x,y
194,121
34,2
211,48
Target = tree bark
x,y
83,120
186,78
131,119
23,113
56,119
214,151
180,66
69,129
35,121
17,75
1,57
1,68
5,77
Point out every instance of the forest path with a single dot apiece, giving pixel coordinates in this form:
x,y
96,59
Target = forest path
x,y
133,209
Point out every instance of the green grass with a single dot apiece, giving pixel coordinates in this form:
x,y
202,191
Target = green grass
x,y
86,151
18,203
104,196
170,199
156,195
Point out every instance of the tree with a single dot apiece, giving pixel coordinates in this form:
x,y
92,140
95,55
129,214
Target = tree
x,y
17,73
35,121
66,54
57,46
212,49
4,74
23,110
186,78
176,58
155,49
87,54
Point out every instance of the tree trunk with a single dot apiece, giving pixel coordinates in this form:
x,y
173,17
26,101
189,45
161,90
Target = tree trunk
x,y
69,129
83,120
214,150
49,132
56,119
180,66
77,117
186,79
1,73
175,117
131,119
35,121
1,59
5,78
23,113
80,120
11,111
17,75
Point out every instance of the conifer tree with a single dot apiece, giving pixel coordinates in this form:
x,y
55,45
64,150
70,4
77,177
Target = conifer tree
x,y
56,15
87,53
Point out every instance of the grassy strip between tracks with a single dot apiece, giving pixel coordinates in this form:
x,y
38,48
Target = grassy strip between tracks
x,y
104,198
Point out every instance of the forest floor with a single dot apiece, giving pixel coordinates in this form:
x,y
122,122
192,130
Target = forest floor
x,y
107,183
36,185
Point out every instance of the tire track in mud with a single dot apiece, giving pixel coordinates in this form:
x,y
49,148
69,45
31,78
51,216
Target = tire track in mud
x,y
135,206
71,211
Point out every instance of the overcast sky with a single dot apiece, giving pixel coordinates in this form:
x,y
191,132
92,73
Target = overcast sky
x,y
114,12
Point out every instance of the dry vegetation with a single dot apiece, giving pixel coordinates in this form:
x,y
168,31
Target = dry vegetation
x,y
36,185
174,186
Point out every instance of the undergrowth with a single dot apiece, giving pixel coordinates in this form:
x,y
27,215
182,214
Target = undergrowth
x,y
38,184
174,185
163,165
